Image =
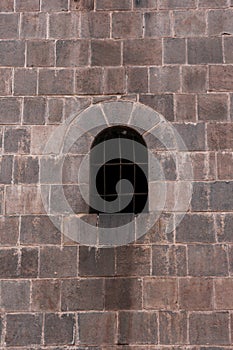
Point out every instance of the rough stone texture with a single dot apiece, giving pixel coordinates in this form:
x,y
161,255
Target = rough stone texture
x,y
29,329
170,289
97,328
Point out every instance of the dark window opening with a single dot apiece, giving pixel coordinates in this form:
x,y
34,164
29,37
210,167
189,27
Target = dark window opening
x,y
131,165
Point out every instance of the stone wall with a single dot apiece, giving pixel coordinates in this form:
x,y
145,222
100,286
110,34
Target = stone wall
x,y
165,291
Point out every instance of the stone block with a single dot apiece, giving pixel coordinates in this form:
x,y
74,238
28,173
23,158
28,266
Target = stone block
x,y
15,295
12,53
23,329
5,81
39,230
189,23
105,53
157,24
114,80
34,110
72,53
160,293
220,136
54,5
173,327
213,107
24,199
224,293
33,25
78,294
138,328
193,135
10,110
6,168
137,79
64,25
25,82
56,82
142,52
29,263
26,170
123,294
194,79
220,22
209,328
127,25
27,5
113,5
17,140
196,294
161,103
207,260
9,230
46,295
8,263
96,262
164,79
57,262
196,228
174,50
89,81
40,53
133,260
221,78
95,25
9,26
169,260
185,107
97,328
55,110
205,50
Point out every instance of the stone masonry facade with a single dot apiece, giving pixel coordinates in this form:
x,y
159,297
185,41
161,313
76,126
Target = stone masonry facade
x,y
164,291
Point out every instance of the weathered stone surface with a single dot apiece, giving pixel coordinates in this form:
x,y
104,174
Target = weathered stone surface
x,y
160,293
29,263
59,329
40,53
196,228
174,50
194,79
209,328
205,50
34,111
71,53
12,53
173,327
189,23
29,329
196,294
169,260
57,262
220,78
213,107
138,328
142,52
123,294
33,25
78,294
25,82
97,328
63,25
17,140
127,25
15,295
200,257
113,5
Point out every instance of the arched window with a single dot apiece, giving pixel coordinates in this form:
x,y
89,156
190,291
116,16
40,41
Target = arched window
x,y
124,158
